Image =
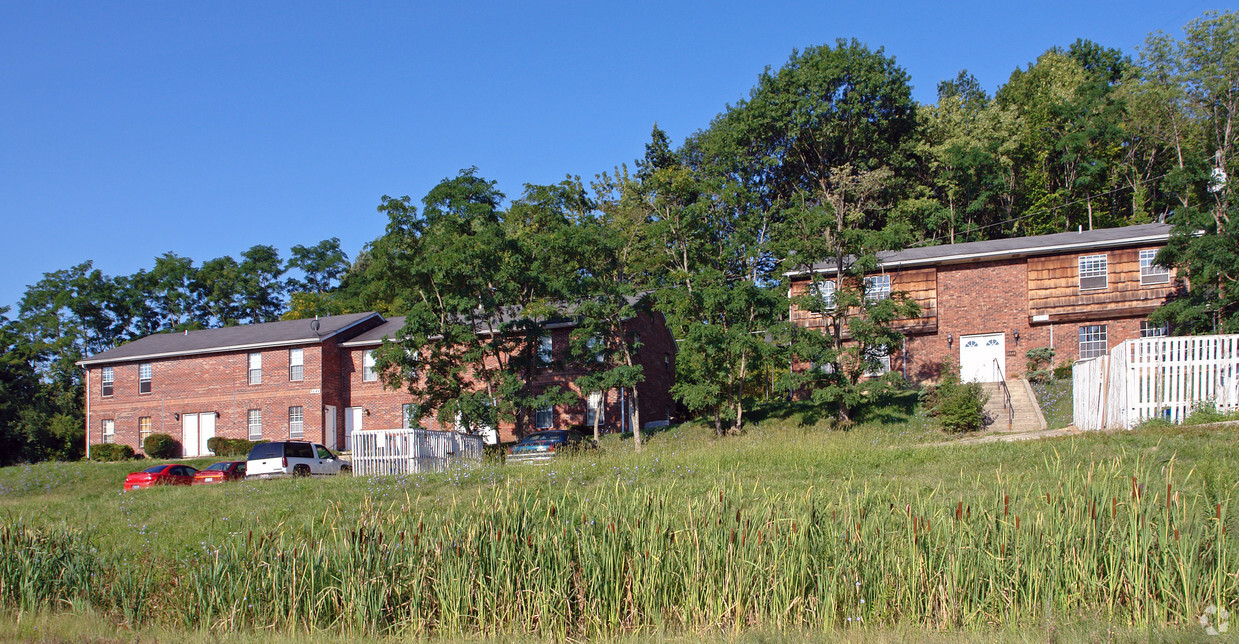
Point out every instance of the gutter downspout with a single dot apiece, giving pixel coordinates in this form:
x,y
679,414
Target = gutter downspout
x,y
87,394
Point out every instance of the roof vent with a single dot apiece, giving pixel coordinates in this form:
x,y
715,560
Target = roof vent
x,y
314,324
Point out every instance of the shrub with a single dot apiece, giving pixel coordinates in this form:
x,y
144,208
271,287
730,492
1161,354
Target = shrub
x,y
161,446
1037,368
958,406
221,446
1062,371
110,452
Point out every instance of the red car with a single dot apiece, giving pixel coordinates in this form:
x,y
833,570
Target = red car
x,y
220,472
160,475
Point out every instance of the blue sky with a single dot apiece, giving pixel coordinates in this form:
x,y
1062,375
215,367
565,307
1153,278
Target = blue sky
x,y
130,129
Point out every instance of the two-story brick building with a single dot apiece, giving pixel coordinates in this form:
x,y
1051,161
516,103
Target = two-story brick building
x,y
307,379
984,304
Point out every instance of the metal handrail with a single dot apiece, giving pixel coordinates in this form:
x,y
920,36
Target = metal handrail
x,y
1006,398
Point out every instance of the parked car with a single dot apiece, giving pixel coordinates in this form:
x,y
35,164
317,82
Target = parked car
x,y
169,474
220,472
540,447
293,458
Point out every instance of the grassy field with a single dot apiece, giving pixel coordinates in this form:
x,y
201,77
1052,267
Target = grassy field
x,y
785,532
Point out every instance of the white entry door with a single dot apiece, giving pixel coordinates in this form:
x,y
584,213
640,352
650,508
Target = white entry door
x,y
329,426
978,355
189,435
206,431
352,423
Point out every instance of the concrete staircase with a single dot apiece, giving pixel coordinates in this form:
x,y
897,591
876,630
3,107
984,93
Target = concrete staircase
x,y
1027,416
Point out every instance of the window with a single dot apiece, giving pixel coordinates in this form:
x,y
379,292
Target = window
x,y
879,363
253,419
255,368
545,347
544,418
826,290
144,378
1150,330
106,376
144,429
595,349
593,405
296,364
877,288
1093,272
1151,273
109,430
296,422
408,412
368,374
1093,341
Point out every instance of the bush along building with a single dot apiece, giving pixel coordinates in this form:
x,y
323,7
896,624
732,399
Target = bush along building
x,y
313,380
985,304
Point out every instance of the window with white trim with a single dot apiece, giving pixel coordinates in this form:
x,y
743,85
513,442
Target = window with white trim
x,y
1093,341
296,364
544,418
546,346
407,412
368,372
253,419
1093,272
1151,330
106,380
144,429
595,348
593,406
878,363
877,288
296,422
144,378
109,430
255,368
1150,272
824,289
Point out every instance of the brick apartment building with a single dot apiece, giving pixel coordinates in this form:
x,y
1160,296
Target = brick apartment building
x,y
984,304
311,380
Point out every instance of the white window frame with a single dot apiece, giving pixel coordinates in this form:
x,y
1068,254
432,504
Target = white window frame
x,y
825,289
546,350
1093,267
254,368
296,364
884,365
368,372
108,426
253,424
406,415
595,348
143,433
296,421
544,418
1150,330
593,407
1150,272
1093,341
107,382
144,378
877,288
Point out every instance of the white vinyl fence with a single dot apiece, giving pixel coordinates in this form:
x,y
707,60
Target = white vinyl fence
x,y
1156,377
405,451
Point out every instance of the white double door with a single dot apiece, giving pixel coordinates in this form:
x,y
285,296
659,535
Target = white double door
x,y
982,358
196,430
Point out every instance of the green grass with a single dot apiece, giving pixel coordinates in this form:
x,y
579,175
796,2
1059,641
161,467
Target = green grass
x,y
1054,396
786,469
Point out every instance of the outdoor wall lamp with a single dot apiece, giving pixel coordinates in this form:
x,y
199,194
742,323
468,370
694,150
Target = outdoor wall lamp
x,y
367,411
1017,336
176,416
217,415
950,339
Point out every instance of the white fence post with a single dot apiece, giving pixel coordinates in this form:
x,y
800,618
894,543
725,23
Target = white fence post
x,y
1152,377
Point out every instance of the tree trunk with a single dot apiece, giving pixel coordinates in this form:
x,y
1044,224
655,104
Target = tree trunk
x,y
636,421
718,420
602,404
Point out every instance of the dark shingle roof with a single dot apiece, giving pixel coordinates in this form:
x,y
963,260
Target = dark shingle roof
x,y
376,335
1020,246
233,338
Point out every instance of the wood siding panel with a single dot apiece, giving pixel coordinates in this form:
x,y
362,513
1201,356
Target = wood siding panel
x,y
921,284
1054,286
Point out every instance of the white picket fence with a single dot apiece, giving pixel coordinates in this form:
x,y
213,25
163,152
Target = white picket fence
x,y
405,451
1156,377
